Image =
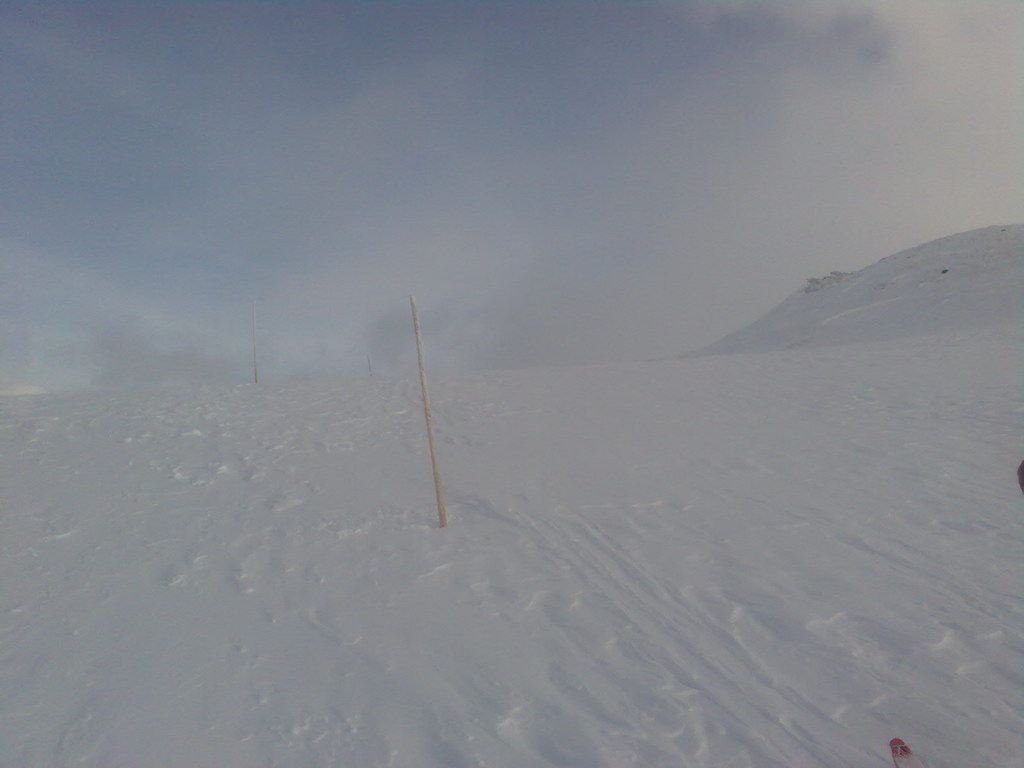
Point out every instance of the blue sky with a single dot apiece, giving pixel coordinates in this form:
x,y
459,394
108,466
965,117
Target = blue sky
x,y
557,182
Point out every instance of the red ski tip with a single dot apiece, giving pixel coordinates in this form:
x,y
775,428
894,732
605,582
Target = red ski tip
x,y
899,748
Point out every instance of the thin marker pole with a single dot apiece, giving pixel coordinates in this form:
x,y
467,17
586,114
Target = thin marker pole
x,y
442,513
255,370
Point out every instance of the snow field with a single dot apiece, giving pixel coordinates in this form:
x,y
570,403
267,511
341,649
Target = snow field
x,y
770,560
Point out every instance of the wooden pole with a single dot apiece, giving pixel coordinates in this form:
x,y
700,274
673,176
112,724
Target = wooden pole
x,y
255,370
442,513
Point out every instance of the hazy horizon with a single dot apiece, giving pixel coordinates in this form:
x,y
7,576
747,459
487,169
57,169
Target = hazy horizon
x,y
564,183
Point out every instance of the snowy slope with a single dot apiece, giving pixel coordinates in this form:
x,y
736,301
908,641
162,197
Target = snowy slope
x,y
968,280
766,560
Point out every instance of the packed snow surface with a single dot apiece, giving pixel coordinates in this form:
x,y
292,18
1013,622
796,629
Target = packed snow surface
x,y
776,560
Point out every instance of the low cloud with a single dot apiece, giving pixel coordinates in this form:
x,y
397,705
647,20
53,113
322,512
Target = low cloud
x,y
556,185
126,359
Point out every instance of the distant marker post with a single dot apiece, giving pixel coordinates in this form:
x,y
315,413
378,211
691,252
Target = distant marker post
x,y
442,513
255,370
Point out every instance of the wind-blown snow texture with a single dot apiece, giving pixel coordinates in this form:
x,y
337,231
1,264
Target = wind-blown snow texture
x,y
771,560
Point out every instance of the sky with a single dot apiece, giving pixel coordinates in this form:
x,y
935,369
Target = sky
x,y
556,182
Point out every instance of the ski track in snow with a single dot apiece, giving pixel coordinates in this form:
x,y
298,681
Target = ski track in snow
x,y
761,560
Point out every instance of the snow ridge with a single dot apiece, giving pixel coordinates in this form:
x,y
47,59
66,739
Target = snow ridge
x,y
968,280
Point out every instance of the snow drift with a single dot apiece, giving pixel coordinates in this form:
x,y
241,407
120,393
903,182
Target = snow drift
x,y
774,561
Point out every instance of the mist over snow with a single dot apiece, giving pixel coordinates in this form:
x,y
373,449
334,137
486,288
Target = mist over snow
x,y
22,389
774,559
780,551
557,183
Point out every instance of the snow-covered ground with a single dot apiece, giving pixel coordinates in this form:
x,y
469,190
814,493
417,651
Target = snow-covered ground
x,y
969,280
764,560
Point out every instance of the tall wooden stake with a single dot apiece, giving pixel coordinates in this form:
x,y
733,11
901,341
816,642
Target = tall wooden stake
x,y
442,513
255,370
